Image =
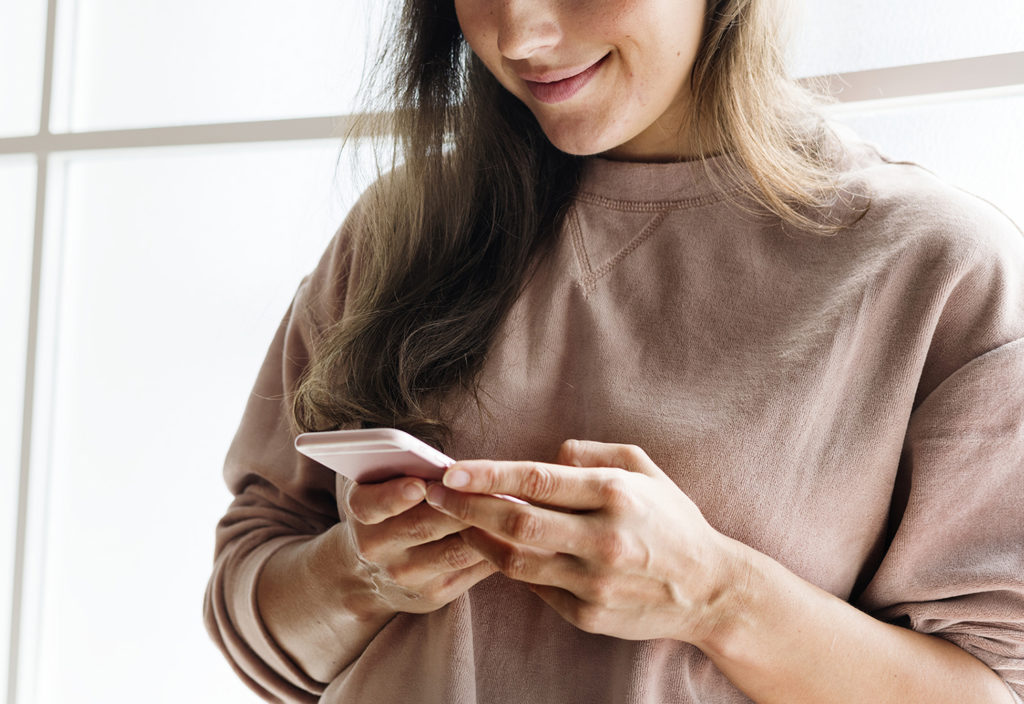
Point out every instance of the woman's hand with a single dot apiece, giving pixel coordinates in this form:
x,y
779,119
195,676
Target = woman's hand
x,y
610,542
408,556
324,599
615,547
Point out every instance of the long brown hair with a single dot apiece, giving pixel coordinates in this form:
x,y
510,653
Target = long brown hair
x,y
446,241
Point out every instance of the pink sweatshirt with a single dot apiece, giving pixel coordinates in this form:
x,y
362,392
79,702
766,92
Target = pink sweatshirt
x,y
853,406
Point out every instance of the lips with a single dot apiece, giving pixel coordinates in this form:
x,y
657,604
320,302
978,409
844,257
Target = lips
x,y
547,90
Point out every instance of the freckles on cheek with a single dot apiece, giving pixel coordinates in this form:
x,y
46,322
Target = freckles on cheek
x,y
476,24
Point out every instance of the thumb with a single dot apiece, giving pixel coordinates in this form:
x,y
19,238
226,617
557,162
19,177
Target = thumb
x,y
589,453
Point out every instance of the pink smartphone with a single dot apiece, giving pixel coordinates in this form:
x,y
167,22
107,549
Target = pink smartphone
x,y
374,455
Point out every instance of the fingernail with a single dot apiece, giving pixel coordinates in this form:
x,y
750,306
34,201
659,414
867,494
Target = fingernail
x,y
413,491
456,478
435,494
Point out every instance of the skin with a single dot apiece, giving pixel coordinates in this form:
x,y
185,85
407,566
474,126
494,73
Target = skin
x,y
615,547
635,107
325,598
607,539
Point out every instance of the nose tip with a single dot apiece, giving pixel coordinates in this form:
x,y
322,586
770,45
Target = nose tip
x,y
524,33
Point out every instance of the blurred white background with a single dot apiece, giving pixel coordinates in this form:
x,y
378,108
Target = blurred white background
x,y
163,271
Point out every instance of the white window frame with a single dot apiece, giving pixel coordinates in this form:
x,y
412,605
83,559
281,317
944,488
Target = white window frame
x,y
916,84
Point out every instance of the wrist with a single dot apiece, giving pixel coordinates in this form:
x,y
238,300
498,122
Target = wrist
x,y
731,609
779,638
342,581
312,609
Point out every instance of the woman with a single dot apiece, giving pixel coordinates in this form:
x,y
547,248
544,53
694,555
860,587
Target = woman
x,y
820,352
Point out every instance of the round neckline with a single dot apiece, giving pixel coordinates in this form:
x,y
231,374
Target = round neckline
x,y
657,182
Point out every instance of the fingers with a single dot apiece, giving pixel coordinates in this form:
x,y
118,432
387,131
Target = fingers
x,y
417,561
523,524
370,504
412,555
578,480
447,557
584,615
447,587
583,596
426,577
420,525
587,453
522,563
536,482
458,582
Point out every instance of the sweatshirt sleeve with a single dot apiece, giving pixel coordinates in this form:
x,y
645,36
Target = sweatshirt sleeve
x,y
279,495
954,564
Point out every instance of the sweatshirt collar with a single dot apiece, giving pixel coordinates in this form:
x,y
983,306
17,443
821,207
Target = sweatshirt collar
x,y
634,182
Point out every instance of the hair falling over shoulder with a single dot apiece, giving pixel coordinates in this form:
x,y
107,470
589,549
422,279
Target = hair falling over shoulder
x,y
475,192
747,106
446,239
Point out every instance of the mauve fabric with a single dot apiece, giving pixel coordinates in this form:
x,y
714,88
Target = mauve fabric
x,y
851,405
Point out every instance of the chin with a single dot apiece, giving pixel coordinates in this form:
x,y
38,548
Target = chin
x,y
580,143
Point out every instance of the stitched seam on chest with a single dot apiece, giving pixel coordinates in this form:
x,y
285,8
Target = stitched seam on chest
x,y
577,244
630,206
590,275
648,230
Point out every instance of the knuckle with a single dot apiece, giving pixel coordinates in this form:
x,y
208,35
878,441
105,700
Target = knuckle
x,y
456,554
611,549
397,574
457,506
439,591
419,529
539,482
615,490
433,594
370,504
353,509
360,514
523,526
635,455
489,477
512,564
632,457
634,451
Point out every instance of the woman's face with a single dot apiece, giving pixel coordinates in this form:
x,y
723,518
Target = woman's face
x,y
600,76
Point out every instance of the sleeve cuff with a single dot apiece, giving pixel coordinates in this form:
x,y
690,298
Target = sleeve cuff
x,y
249,624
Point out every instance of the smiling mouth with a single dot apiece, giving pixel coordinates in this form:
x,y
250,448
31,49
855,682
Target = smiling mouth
x,y
563,89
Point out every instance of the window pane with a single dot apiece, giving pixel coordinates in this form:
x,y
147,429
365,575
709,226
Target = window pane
x,y
22,39
975,144
176,269
17,212
856,35
152,62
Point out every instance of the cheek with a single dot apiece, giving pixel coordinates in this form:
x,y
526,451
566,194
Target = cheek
x,y
476,20
468,13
